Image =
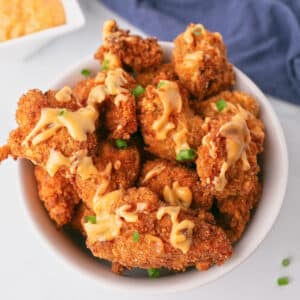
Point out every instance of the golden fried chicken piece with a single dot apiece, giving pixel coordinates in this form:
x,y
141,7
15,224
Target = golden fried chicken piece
x,y
119,109
120,49
233,213
143,233
57,194
167,123
155,74
176,184
114,168
227,159
200,62
40,120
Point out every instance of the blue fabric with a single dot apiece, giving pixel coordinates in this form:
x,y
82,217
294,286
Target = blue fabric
x,y
262,36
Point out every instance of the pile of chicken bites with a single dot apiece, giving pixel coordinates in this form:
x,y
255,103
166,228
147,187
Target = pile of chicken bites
x,y
155,163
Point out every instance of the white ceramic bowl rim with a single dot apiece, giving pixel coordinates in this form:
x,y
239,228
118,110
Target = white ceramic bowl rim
x,y
263,220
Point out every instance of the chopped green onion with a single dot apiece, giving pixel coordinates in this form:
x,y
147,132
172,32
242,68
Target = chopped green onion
x,y
186,154
86,72
138,91
283,281
153,273
221,104
61,112
285,262
198,29
90,219
136,236
105,65
121,144
160,84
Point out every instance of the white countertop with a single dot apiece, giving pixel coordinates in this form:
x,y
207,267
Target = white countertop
x,y
28,271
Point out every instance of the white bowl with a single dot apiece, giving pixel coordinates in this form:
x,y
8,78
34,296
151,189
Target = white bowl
x,y
275,171
22,47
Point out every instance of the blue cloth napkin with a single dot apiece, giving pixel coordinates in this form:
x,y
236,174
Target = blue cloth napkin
x,y
262,36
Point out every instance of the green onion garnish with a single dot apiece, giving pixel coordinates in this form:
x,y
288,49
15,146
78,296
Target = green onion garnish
x,y
85,72
285,262
221,104
153,273
283,281
198,29
160,84
61,112
186,154
121,144
136,236
105,65
138,91
90,219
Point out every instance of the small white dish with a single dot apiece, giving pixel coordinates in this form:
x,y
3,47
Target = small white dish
x,y
275,173
22,47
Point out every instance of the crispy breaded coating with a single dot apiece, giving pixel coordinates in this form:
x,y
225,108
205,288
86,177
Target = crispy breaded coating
x,y
159,174
242,189
208,108
155,74
119,109
78,219
121,49
153,248
28,114
4,152
167,123
57,195
200,62
116,168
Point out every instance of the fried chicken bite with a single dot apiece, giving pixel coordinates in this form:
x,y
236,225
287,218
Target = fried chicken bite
x,y
155,74
227,161
112,169
46,121
200,62
121,49
168,125
175,183
119,108
168,237
57,195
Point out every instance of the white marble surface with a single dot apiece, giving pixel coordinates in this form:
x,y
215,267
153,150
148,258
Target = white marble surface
x,y
28,271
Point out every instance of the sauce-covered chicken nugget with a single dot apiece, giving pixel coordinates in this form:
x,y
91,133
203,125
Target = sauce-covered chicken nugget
x,y
110,169
169,127
134,229
200,62
119,108
52,120
57,194
120,49
176,184
227,159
